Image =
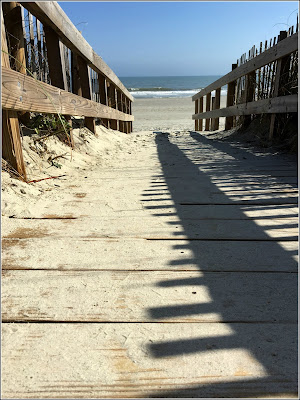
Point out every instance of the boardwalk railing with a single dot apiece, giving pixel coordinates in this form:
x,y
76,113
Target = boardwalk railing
x,y
267,83
48,67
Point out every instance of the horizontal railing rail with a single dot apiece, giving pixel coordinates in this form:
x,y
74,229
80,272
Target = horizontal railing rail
x,y
24,93
51,14
48,67
273,68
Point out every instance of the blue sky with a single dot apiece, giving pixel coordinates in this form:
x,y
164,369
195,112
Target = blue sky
x,y
177,38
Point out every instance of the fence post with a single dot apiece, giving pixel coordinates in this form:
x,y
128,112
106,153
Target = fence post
x,y
103,96
56,63
213,101
208,101
230,100
282,62
196,112
121,108
126,108
11,138
112,103
200,121
249,93
217,102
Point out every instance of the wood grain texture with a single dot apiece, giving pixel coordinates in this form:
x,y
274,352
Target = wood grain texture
x,y
136,254
282,49
283,104
140,296
23,93
148,360
51,14
255,229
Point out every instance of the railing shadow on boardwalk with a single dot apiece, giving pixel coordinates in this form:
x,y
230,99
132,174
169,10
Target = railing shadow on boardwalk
x,y
181,162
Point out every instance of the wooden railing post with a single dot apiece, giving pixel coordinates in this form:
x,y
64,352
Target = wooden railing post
x,y
112,103
208,101
126,109
278,80
57,69
14,23
130,113
103,96
120,108
213,101
200,123
216,106
11,137
249,93
230,100
85,88
12,13
196,112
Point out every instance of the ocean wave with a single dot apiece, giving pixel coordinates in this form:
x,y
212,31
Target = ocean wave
x,y
153,93
159,89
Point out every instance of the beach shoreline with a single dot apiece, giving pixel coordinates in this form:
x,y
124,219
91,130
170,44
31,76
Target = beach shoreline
x,y
166,114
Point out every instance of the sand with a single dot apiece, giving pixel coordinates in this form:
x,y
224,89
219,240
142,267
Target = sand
x,y
166,114
108,147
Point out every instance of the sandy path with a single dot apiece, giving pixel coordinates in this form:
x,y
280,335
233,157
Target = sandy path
x,y
108,292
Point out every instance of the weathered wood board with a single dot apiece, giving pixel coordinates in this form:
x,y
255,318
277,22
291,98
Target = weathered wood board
x,y
145,360
140,296
156,228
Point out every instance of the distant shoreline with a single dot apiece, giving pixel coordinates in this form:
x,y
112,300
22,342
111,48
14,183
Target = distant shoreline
x,y
167,114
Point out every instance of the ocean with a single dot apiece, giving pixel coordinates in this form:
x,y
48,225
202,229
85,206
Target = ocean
x,y
167,86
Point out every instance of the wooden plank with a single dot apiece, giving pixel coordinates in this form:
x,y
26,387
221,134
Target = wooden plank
x,y
23,93
207,121
283,48
146,360
278,76
230,100
215,121
52,15
54,58
283,104
200,123
249,93
14,26
111,297
196,112
11,137
256,229
85,85
159,255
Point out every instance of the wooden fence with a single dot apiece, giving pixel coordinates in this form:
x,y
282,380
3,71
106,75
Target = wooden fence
x,y
265,83
48,67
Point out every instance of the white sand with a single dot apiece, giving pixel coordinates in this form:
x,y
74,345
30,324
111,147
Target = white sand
x,y
166,114
108,148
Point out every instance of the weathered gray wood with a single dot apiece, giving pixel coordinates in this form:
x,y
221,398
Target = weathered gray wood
x,y
283,104
215,121
14,26
135,296
11,136
51,14
230,100
148,360
159,255
208,101
283,48
23,93
256,229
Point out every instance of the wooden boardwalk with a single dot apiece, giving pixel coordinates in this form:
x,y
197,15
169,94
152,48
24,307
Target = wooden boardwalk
x,y
185,288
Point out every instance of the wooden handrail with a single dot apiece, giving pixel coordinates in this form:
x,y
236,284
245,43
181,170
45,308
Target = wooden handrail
x,y
51,14
24,93
282,49
282,104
